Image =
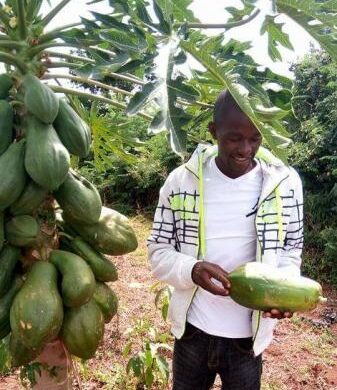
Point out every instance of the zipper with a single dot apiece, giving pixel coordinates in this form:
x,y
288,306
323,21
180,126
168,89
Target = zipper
x,y
260,247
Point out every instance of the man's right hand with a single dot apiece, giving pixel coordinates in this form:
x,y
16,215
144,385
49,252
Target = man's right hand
x,y
203,272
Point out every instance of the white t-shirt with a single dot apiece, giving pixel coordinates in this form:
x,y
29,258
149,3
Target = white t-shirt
x,y
230,208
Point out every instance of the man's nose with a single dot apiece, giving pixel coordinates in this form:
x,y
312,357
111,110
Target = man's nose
x,y
245,148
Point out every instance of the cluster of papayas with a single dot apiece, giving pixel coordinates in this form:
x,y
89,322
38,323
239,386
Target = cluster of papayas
x,y
58,292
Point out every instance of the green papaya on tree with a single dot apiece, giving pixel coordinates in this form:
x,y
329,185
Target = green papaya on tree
x,y
12,174
47,161
5,306
6,125
9,257
2,230
39,99
107,300
22,230
37,312
6,84
30,199
112,234
79,198
73,131
103,269
78,281
83,329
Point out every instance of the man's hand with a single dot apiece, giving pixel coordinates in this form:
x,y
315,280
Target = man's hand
x,y
203,272
274,313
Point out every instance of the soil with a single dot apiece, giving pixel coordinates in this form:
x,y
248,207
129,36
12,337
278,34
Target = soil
x,y
303,355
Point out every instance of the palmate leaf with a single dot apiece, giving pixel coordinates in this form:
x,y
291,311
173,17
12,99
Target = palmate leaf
x,y
124,41
318,18
239,13
178,10
232,82
275,36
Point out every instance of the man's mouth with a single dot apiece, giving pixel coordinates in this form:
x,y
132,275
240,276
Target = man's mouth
x,y
242,160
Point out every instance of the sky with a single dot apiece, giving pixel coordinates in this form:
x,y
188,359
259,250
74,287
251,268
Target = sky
x,y
213,11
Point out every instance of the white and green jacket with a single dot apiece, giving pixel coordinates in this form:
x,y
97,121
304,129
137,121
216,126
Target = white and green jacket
x,y
177,240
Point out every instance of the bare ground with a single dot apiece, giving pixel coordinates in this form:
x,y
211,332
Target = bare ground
x,y
303,355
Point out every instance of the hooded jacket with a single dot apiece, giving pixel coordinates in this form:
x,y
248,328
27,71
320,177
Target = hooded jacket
x,y
177,240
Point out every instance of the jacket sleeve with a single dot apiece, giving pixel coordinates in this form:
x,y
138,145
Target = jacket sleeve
x,y
168,265
290,259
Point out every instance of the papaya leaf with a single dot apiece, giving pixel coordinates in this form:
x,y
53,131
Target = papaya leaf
x,y
141,98
238,14
111,22
128,42
318,18
275,37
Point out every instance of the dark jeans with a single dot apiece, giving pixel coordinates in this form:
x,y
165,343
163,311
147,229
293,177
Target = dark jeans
x,y
198,357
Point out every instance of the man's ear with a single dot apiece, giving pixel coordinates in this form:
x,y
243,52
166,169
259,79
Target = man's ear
x,y
212,129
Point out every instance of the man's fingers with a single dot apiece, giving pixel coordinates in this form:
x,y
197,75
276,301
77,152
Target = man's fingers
x,y
215,289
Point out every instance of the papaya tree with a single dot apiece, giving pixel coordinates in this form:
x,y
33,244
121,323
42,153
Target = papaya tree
x,y
54,231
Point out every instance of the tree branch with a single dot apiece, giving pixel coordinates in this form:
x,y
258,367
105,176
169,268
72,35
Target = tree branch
x,y
12,60
90,96
69,56
22,19
53,33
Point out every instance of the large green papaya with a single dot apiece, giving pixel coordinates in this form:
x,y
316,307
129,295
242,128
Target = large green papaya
x,y
5,306
2,230
103,269
112,234
39,99
73,131
79,198
20,354
22,230
6,84
107,300
78,281
37,312
12,174
9,257
47,161
6,125
83,329
30,199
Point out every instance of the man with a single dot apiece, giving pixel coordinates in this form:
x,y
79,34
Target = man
x,y
228,205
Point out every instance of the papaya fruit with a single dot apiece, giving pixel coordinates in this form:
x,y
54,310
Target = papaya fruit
x,y
6,84
111,235
78,281
9,257
12,174
30,199
83,329
6,125
36,314
47,161
39,99
20,354
263,287
107,300
103,269
22,230
73,131
79,198
2,230
5,306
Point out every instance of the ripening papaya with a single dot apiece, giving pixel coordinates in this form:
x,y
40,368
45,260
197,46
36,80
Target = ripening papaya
x,y
9,256
73,131
36,314
39,99
107,300
47,161
12,174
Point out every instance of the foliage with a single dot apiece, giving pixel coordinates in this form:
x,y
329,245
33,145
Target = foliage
x,y
314,154
149,364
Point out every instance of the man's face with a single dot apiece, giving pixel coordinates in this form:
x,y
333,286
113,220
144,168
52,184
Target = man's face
x,y
238,141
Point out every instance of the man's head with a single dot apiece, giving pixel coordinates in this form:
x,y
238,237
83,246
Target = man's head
x,y
237,137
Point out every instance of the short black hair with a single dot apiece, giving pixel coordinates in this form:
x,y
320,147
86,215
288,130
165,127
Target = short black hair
x,y
224,105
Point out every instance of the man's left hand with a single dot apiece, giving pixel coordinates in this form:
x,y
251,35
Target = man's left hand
x,y
274,313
